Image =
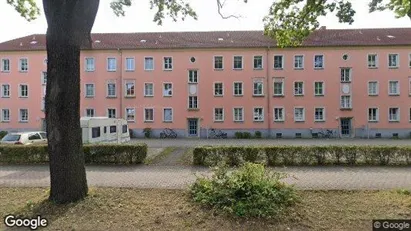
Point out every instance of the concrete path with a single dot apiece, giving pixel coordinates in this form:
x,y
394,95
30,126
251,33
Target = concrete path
x,y
178,177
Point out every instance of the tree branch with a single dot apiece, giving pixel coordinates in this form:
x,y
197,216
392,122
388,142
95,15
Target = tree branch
x,y
220,6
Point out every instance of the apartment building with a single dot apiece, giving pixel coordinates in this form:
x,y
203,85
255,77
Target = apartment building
x,y
355,82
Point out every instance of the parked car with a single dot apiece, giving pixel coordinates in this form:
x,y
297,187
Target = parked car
x,y
25,138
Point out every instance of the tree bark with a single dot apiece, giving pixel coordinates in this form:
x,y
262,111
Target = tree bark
x,y
69,26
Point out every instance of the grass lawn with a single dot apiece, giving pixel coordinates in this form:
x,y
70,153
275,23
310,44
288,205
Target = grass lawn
x,y
158,155
155,209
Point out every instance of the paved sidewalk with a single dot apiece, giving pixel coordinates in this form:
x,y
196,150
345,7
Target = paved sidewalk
x,y
177,177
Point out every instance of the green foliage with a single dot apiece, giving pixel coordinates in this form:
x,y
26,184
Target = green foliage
x,y
257,134
27,9
247,135
250,191
3,134
147,132
303,155
238,135
243,135
93,153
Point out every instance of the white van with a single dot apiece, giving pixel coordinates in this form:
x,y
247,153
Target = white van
x,y
104,130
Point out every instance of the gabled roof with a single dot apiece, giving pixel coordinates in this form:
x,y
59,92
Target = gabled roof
x,y
223,39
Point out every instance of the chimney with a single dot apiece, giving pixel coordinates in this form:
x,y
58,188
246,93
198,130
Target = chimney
x,y
323,28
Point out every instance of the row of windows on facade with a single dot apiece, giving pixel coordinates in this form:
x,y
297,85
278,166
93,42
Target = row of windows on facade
x,y
237,62
279,114
218,88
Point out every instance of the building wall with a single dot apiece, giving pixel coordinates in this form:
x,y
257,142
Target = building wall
x,y
207,76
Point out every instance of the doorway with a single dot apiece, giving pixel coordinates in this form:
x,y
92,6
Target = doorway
x,y
192,127
346,127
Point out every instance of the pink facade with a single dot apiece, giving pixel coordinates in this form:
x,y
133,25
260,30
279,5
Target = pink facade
x,y
352,90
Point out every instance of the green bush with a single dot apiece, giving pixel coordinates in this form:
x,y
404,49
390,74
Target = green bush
x,y
3,134
250,191
147,132
93,153
303,155
257,134
247,135
238,135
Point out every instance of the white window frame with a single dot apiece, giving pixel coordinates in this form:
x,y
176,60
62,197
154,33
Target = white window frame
x,y
222,114
261,116
262,62
87,110
93,66
344,106
323,111
398,88
133,64
126,114
168,66
193,97
172,114
322,87
145,63
43,78
282,119
282,62
242,88
145,89
376,88
194,77
398,114
262,87
368,61
323,62
85,90
222,89
20,90
108,91
303,114
20,115
377,114
282,86
343,76
222,62
115,112
242,62
108,64
145,114
3,119
164,89
21,64
2,90
397,60
302,88
125,88
242,114
295,62
2,65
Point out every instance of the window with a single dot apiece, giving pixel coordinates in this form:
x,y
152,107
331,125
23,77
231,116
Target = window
x,y
278,62
44,90
167,89
218,114
111,113
111,90
394,114
372,114
345,75
5,65
148,63
43,104
125,128
44,77
90,90
345,101
410,115
238,62
192,102
34,136
318,61
372,61
95,132
113,129
278,86
111,64
318,88
148,114
298,62
299,114
148,89
192,76
409,60
258,114
258,88
168,63
5,115
90,64
393,88
130,64
193,59
279,114
24,90
130,114
409,86
238,88
5,91
218,62
218,89
393,60
23,65
258,62
90,112
238,114
373,88
319,114
130,89
167,114
24,115
298,88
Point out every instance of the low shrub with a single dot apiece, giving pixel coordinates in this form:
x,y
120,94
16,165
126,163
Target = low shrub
x,y
303,155
147,132
250,191
238,135
247,135
257,134
93,153
3,134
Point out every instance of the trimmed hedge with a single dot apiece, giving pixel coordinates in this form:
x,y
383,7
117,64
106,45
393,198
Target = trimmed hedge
x,y
303,155
93,153
3,134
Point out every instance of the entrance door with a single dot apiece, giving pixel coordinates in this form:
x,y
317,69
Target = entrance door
x,y
192,127
345,127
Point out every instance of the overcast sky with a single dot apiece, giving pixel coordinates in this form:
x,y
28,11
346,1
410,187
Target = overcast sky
x,y
139,18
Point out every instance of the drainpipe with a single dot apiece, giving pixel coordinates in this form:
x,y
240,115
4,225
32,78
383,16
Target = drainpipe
x,y
121,83
268,92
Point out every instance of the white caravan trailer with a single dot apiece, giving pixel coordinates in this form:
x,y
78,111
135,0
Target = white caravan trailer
x,y
104,129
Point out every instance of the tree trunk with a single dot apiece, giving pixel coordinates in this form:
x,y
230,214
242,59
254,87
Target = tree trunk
x,y
69,27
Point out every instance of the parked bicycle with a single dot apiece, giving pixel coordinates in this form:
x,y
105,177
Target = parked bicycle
x,y
326,134
213,133
168,133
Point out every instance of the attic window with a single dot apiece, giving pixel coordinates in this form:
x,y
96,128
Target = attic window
x,y
33,42
390,36
143,41
97,41
220,39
